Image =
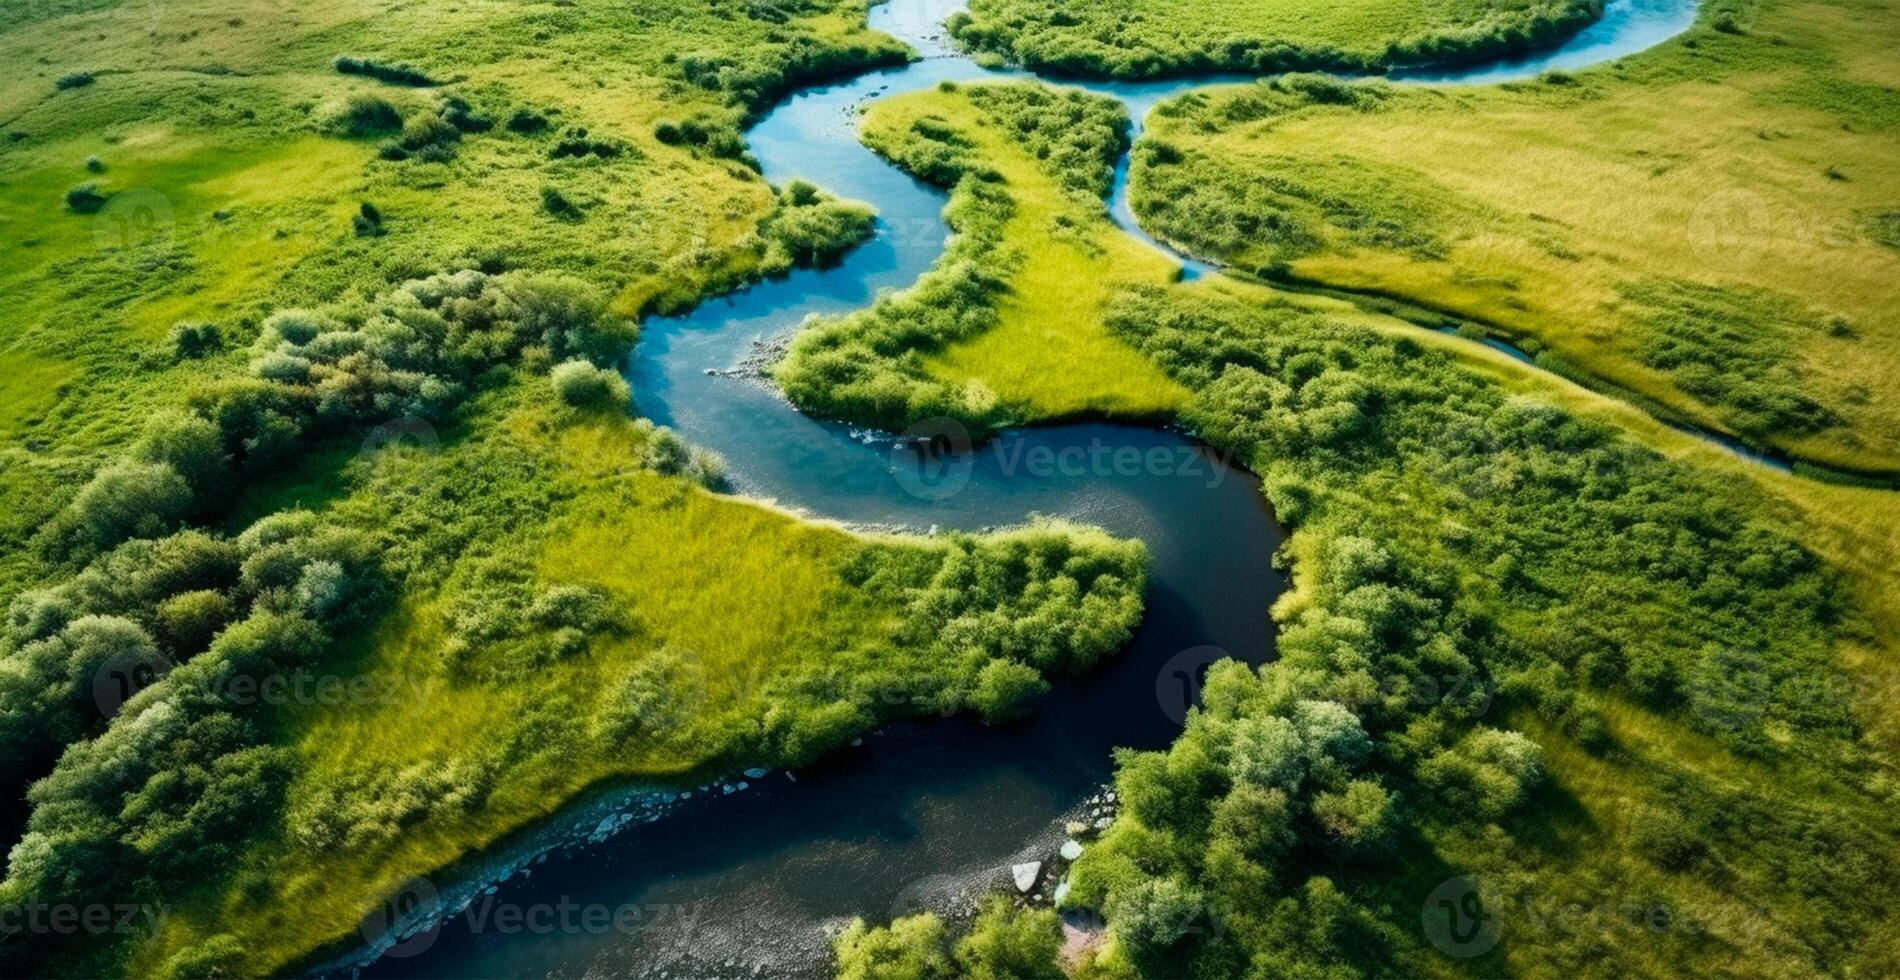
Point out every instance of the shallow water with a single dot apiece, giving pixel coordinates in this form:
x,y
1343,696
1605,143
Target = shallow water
x,y
923,811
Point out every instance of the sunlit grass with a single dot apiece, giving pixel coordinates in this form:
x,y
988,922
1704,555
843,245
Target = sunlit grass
x,y
1732,163
1049,357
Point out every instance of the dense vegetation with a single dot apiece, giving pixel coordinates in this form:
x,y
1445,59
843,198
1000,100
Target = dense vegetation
x,y
329,554
1566,214
1522,648
1156,38
1603,608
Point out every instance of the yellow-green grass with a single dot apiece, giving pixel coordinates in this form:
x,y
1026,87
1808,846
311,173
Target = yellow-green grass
x,y
1141,38
1755,161
1049,356
751,595
231,196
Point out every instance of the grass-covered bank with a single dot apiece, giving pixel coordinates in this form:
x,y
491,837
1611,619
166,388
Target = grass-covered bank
x,y
1156,38
319,450
1634,686
1007,327
1524,648
1700,224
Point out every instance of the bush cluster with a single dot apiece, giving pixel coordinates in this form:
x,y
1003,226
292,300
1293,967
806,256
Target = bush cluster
x,y
867,366
1056,36
1571,568
384,71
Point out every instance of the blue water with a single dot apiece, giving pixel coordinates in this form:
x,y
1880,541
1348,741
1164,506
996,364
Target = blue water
x,y
927,813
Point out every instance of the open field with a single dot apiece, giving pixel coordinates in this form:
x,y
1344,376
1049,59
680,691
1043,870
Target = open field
x,y
1154,38
1702,223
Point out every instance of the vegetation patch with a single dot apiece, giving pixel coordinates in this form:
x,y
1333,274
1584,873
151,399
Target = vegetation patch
x,y
1007,326
1533,209
1157,38
1733,348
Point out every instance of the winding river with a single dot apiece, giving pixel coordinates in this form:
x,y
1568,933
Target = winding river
x,y
927,813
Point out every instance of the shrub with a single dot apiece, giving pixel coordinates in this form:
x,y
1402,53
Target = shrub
x,y
1005,689
74,79
1153,916
85,198
190,445
190,341
908,949
367,115
187,622
395,74
123,501
94,165
582,385
526,122
556,203
575,142
1008,943
368,221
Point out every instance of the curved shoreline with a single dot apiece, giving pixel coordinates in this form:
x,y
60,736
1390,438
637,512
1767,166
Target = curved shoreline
x,y
831,472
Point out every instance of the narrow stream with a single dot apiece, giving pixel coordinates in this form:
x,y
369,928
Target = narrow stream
x,y
927,813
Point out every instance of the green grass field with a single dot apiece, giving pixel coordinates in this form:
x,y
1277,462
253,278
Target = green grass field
x,y
1153,38
1505,505
539,602
1699,223
1048,357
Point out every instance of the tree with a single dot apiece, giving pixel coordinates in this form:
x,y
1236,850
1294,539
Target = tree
x,y
1154,916
910,948
582,385
1005,689
1010,943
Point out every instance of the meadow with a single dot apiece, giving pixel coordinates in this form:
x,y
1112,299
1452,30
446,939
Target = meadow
x,y
1008,327
1699,225
311,410
1632,683
1156,38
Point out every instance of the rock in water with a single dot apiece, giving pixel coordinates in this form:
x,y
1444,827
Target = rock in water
x,y
1025,875
1071,849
